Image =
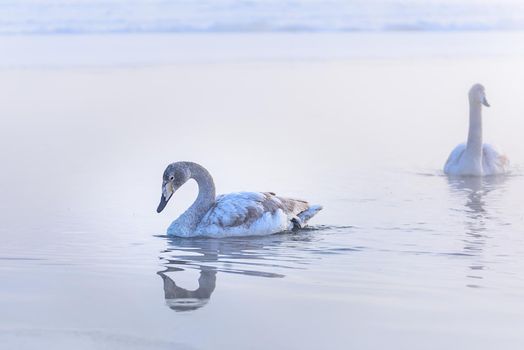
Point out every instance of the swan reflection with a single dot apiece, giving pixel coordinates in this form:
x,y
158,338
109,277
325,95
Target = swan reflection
x,y
476,191
259,257
181,299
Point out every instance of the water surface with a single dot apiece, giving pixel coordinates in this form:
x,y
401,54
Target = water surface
x,y
401,256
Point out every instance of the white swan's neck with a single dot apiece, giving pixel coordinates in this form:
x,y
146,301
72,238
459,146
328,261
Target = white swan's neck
x,y
190,219
474,145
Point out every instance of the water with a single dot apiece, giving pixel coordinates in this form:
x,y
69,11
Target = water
x,y
401,256
146,50
161,16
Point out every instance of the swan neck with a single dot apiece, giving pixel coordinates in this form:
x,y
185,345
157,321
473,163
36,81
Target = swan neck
x,y
474,144
206,194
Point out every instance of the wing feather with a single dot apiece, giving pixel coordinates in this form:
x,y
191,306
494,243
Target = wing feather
x,y
494,161
454,159
245,208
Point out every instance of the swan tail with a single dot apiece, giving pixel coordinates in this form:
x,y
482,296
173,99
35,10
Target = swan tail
x,y
300,221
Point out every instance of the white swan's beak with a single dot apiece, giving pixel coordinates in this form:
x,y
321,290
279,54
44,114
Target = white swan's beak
x,y
485,102
167,192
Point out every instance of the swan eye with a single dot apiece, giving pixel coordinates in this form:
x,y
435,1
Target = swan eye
x,y
171,178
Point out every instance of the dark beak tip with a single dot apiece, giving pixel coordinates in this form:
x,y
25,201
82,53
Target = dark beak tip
x,y
162,204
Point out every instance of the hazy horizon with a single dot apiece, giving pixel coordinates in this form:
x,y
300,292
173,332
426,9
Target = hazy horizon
x,y
160,16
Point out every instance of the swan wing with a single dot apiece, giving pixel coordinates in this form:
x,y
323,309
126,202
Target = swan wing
x,y
494,161
254,213
453,161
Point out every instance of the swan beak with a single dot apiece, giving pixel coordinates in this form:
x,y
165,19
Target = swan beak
x,y
485,102
167,192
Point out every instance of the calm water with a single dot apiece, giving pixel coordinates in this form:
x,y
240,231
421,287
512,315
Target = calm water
x,y
400,257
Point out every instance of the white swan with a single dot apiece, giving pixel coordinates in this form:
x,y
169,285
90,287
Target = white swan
x,y
234,214
475,158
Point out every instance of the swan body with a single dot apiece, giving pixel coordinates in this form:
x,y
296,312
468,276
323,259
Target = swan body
x,y
476,158
493,162
234,214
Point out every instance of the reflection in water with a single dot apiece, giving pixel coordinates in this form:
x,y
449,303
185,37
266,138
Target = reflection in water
x,y
181,299
477,218
246,256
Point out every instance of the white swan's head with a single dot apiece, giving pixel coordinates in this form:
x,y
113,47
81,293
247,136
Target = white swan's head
x,y
477,95
175,175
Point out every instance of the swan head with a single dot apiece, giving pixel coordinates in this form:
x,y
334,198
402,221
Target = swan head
x,y
175,175
477,95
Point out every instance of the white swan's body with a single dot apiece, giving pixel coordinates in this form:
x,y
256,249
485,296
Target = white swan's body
x,y
476,158
492,162
235,214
